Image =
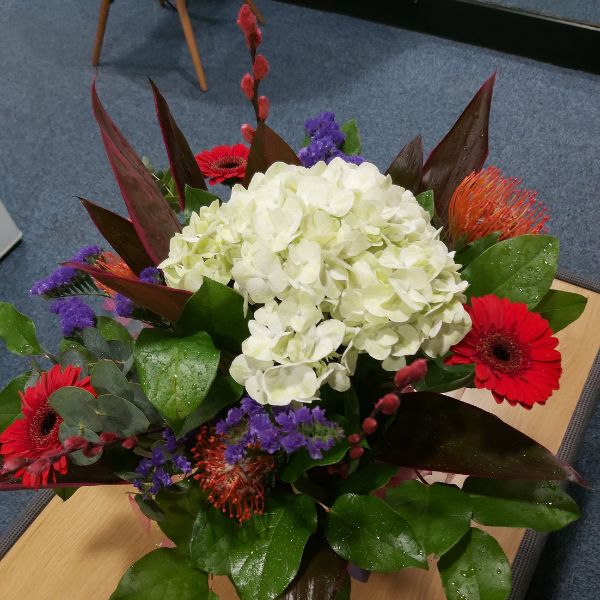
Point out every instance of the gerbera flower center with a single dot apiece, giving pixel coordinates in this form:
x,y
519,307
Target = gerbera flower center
x,y
48,422
44,425
229,163
502,352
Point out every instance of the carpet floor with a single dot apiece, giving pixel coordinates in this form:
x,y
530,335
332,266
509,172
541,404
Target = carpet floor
x,y
396,83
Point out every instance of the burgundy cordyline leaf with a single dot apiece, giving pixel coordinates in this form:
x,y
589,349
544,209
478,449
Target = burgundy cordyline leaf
x,y
407,167
462,151
267,148
153,219
120,234
160,299
184,167
439,433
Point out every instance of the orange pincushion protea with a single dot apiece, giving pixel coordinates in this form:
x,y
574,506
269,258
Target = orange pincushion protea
x,y
486,202
237,488
114,264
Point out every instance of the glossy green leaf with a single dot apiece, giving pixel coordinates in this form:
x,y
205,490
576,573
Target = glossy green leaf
x,y
476,569
218,310
445,378
195,199
64,493
521,269
268,550
406,169
149,507
439,514
440,433
467,254
112,330
162,575
77,407
10,401
121,416
367,532
539,505
18,331
352,143
425,199
175,372
561,308
369,476
301,461
181,511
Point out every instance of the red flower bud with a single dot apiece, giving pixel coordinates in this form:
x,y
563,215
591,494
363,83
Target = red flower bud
x,y
254,39
369,425
389,404
75,442
247,86
246,19
130,442
263,108
356,452
108,436
92,451
247,132
260,68
39,466
354,438
13,463
413,372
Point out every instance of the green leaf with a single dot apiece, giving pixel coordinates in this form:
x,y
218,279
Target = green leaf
x,y
150,507
95,343
520,269
107,378
18,331
111,330
467,254
367,532
162,575
368,476
64,493
195,199
445,378
121,416
301,461
561,308
77,407
439,514
10,401
218,310
539,505
476,569
175,372
425,199
67,344
352,143
268,549
181,510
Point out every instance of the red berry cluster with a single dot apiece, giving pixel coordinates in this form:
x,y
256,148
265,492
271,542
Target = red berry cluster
x,y
260,68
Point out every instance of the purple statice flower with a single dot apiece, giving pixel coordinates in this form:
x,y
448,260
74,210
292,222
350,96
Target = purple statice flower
x,y
59,278
87,254
151,275
73,314
123,306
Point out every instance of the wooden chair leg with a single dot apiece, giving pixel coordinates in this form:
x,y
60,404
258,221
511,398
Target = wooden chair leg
x,y
188,32
102,19
255,10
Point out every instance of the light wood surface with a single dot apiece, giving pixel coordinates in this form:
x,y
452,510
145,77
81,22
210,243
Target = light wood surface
x,y
78,550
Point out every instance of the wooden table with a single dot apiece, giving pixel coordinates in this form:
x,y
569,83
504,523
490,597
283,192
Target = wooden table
x,y
78,550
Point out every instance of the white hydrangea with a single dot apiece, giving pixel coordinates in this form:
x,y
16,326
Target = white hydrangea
x,y
341,262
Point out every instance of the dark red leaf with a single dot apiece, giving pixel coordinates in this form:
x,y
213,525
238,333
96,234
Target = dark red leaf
x,y
120,234
407,167
439,433
462,151
184,167
267,148
160,299
153,219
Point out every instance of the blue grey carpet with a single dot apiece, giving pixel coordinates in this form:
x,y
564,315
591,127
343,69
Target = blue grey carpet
x,y
397,83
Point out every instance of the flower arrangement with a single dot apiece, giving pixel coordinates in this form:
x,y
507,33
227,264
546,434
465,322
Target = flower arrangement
x,y
273,381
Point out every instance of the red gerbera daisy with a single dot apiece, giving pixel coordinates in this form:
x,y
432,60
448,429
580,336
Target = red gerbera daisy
x,y
35,436
513,350
224,163
237,488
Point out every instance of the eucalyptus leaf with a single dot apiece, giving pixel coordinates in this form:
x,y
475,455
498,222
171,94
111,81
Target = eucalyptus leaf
x,y
352,143
77,407
367,532
475,568
10,401
175,372
521,269
445,378
561,308
18,331
121,416
95,343
539,505
107,378
74,358
439,514
467,254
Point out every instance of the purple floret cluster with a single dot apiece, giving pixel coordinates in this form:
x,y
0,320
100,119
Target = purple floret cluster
x,y
73,314
156,472
123,305
251,425
326,141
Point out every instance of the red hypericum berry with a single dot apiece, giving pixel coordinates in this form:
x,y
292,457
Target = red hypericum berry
x,y
247,132
354,438
260,68
246,19
75,442
356,452
130,442
369,425
108,436
13,463
389,404
413,372
247,86
92,451
263,108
